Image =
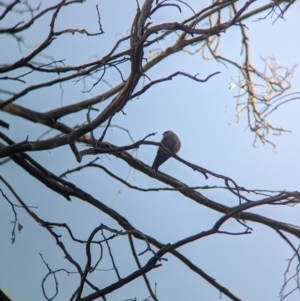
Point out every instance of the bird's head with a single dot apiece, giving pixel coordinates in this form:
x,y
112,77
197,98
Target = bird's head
x,y
167,132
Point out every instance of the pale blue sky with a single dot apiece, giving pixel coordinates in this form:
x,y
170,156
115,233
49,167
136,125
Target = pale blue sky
x,y
250,266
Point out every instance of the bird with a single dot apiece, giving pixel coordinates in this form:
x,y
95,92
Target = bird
x,y
171,142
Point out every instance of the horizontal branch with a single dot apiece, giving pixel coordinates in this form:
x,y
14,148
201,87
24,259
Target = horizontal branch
x,y
193,31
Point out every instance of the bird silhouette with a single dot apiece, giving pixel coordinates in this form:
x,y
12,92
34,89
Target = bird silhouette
x,y
171,142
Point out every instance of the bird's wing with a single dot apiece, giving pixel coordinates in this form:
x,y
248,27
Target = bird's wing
x,y
171,142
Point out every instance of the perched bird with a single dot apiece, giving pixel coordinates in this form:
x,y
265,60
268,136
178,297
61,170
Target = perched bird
x,y
170,141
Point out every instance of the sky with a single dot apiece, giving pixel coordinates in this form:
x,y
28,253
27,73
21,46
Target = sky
x,y
251,266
